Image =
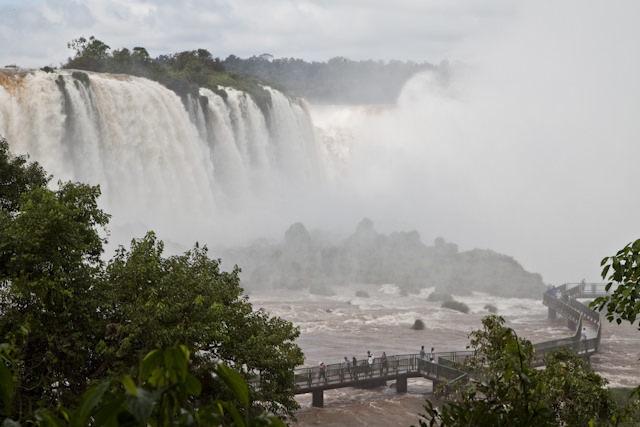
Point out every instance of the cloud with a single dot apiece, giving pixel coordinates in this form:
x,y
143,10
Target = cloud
x,y
37,31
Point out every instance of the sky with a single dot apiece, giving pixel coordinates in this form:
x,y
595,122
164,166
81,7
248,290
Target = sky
x,y
35,33
530,150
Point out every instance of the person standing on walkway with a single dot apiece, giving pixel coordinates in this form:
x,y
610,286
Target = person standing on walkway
x,y
370,360
432,355
385,364
346,366
354,366
422,352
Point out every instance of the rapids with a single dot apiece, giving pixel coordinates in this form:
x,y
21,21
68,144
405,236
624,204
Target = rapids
x,y
345,325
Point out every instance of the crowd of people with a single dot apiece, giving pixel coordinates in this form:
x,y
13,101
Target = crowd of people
x,y
355,370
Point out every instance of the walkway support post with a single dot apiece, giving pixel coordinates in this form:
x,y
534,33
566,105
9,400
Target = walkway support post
x,y
401,385
317,399
552,313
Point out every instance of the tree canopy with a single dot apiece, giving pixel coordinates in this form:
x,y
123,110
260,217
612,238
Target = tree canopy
x,y
73,320
506,390
183,72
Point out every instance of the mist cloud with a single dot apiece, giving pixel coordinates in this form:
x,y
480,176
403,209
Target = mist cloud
x,y
530,148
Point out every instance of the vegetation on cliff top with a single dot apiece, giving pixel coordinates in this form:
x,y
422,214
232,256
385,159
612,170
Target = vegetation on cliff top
x,y
336,81
183,72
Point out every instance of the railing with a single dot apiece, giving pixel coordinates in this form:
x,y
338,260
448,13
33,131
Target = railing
x,y
447,367
403,364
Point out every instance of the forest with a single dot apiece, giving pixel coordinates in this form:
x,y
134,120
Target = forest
x,y
337,81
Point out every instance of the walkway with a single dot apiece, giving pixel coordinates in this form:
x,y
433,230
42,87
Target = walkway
x,y
401,367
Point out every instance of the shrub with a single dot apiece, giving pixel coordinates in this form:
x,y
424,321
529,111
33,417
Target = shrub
x,y
418,325
456,305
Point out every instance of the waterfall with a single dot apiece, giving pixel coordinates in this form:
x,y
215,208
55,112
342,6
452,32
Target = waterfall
x,y
209,167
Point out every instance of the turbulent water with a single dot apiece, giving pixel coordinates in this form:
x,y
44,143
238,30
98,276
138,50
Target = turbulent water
x,y
346,325
203,168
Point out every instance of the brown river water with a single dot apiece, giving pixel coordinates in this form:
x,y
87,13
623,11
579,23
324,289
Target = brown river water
x,y
333,327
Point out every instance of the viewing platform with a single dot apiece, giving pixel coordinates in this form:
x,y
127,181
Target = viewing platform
x,y
446,367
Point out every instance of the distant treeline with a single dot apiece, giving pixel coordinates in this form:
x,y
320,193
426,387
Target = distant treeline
x,y
183,72
338,81
306,260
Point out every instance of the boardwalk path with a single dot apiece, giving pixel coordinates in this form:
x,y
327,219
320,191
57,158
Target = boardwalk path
x,y
399,368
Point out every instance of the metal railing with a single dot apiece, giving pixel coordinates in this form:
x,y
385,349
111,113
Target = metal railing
x,y
448,366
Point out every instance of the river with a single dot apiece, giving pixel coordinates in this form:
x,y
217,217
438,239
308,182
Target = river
x,y
332,327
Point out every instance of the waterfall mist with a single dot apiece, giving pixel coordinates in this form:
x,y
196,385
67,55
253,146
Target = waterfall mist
x,y
219,171
528,147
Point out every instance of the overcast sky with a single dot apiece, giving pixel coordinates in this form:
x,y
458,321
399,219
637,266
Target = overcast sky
x,y
534,153
34,33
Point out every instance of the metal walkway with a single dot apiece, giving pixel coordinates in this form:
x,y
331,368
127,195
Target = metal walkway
x,y
561,300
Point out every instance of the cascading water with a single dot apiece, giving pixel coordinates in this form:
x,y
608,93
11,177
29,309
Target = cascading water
x,y
185,172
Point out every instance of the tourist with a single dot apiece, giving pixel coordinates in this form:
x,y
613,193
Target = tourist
x,y
321,372
385,363
432,356
347,367
422,352
370,360
354,366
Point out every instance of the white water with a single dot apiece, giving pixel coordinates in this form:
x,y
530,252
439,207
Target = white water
x,y
207,173
345,325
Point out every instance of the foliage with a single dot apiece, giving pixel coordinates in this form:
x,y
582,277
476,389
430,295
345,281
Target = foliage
x,y
623,302
17,177
187,300
418,325
338,80
50,263
182,72
505,389
164,396
74,321
574,391
456,305
624,270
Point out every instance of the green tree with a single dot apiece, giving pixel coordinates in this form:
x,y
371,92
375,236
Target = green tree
x,y
623,269
50,256
623,301
91,54
74,321
17,176
188,300
576,393
506,390
163,395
